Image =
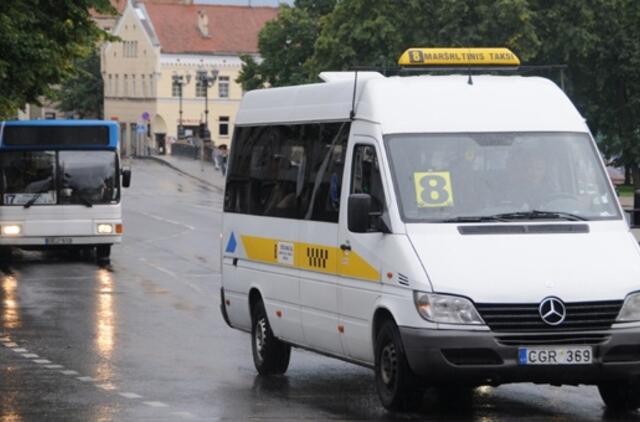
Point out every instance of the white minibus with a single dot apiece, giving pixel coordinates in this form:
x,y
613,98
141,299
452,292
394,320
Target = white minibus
x,y
448,231
60,186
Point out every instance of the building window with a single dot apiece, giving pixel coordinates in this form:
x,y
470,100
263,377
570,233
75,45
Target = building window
x,y
151,87
116,89
223,87
125,86
176,90
144,86
223,126
201,87
109,88
133,85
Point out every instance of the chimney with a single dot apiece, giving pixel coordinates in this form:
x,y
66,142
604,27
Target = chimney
x,y
203,23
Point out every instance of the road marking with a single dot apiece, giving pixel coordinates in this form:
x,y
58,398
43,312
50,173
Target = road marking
x,y
54,366
69,372
131,395
30,356
155,404
85,379
107,387
20,350
173,275
41,361
10,345
185,415
165,220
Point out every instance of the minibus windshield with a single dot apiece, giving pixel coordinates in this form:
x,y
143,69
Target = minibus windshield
x,y
478,177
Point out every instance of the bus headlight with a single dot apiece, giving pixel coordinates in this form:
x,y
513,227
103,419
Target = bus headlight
x,y
446,309
631,309
11,230
105,228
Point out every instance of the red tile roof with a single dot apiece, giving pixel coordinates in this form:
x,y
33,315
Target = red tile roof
x,y
232,29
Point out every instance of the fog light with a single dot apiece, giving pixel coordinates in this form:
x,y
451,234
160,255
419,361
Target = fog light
x,y
11,230
105,228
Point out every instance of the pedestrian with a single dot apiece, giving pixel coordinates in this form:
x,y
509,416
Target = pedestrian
x,y
222,150
215,157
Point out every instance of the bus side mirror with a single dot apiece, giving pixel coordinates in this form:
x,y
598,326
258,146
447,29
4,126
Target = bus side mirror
x,y
126,178
359,209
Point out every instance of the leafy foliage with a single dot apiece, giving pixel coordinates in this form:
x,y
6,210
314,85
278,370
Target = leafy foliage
x,y
40,40
599,41
83,92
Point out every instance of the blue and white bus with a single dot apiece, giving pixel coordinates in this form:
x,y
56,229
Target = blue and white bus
x,y
60,185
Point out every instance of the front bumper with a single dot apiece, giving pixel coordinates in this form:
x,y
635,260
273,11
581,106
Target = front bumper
x,y
58,241
482,357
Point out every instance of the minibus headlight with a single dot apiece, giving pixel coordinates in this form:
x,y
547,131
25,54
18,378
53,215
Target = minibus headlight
x,y
11,230
445,309
630,309
105,228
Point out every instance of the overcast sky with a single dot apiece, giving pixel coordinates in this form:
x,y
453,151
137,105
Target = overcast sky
x,y
245,2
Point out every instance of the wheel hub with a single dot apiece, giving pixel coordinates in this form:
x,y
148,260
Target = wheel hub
x,y
388,364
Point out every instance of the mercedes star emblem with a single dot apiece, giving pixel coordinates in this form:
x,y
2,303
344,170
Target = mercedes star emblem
x,y
552,311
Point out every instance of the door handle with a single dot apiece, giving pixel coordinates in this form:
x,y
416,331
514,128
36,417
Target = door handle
x,y
345,247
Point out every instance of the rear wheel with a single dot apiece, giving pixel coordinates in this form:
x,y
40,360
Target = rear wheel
x,y
621,396
103,254
270,355
398,387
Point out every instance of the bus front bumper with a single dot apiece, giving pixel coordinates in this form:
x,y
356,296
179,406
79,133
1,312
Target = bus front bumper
x,y
481,358
59,241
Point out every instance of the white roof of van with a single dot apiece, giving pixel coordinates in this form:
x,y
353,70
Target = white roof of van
x,y
427,103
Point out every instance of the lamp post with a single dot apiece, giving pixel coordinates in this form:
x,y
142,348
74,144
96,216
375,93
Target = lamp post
x,y
181,81
207,82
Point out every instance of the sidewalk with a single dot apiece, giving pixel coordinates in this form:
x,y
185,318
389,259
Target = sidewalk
x,y
204,172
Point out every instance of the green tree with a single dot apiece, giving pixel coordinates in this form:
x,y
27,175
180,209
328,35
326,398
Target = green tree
x,y
83,92
285,44
39,41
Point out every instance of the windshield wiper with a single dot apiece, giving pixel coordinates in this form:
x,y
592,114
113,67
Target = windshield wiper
x,y
542,215
84,200
32,200
473,219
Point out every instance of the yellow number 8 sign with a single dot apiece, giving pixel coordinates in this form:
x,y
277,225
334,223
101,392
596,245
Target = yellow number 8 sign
x,y
433,189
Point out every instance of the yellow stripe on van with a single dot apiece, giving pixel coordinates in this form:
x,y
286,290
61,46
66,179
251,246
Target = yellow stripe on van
x,y
309,257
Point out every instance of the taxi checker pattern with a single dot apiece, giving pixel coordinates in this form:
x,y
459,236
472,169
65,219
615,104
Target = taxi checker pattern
x,y
317,257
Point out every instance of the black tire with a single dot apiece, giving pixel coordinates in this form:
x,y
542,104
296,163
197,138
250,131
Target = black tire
x,y
398,387
270,355
6,254
621,396
103,254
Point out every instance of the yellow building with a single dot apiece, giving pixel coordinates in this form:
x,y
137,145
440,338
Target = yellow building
x,y
161,41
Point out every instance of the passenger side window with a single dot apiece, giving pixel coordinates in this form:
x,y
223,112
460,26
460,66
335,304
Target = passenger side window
x,y
366,178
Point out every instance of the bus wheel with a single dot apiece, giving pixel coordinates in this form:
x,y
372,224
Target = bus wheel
x,y
398,387
5,254
103,253
621,395
270,355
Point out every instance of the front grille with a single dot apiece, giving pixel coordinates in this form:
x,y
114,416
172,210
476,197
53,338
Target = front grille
x,y
552,339
580,316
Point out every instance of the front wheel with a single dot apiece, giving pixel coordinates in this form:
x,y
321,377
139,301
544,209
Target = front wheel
x,y
398,387
103,254
270,355
621,396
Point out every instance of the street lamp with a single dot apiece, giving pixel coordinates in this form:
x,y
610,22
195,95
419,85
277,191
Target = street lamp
x,y
207,82
181,81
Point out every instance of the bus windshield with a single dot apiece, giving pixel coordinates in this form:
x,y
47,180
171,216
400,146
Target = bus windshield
x,y
58,177
481,177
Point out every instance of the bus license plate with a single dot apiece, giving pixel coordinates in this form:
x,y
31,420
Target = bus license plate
x,y
58,240
569,355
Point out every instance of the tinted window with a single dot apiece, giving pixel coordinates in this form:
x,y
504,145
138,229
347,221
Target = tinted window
x,y
88,177
290,171
366,176
55,135
27,177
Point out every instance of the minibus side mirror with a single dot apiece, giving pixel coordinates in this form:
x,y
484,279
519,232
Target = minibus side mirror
x,y
126,178
359,209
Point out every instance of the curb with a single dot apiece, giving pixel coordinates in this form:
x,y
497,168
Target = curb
x,y
179,170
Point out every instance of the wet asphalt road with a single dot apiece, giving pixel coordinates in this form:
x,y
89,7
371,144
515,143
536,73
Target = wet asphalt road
x,y
144,340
